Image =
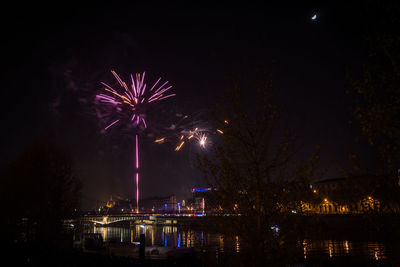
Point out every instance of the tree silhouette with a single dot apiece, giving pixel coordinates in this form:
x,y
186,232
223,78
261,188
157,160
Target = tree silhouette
x,y
377,108
254,169
41,191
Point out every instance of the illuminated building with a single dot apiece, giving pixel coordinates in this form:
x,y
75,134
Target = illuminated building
x,y
345,196
116,205
201,199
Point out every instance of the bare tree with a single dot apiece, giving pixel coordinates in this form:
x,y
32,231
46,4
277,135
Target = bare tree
x,y
377,109
254,169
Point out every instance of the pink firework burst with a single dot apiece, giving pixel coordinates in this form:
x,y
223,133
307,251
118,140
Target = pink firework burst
x,y
133,100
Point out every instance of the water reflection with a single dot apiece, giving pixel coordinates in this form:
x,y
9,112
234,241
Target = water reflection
x,y
167,236
221,243
333,248
237,244
305,247
171,236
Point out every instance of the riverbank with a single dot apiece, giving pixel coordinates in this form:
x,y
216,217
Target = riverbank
x,y
34,256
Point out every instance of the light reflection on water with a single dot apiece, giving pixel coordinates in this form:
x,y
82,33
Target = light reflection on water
x,y
171,236
155,235
333,248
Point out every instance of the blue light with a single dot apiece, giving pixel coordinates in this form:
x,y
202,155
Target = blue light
x,y
179,240
165,240
201,189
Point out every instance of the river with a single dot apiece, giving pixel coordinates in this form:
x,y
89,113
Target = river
x,y
211,242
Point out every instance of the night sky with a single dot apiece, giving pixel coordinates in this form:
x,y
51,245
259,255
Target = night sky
x,y
54,60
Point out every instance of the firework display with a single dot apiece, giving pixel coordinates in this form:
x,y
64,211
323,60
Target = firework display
x,y
129,108
129,105
134,100
196,131
185,130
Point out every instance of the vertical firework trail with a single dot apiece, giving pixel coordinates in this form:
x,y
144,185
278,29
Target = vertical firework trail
x,y
137,174
128,106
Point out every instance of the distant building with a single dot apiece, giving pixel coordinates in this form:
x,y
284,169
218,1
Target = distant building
x,y
159,205
346,195
201,201
116,205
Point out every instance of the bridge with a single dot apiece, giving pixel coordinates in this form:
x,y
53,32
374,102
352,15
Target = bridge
x,y
108,220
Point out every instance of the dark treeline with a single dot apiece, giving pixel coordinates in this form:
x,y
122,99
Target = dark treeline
x,y
40,191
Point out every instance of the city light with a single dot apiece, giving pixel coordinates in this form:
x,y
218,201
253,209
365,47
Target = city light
x,y
201,189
